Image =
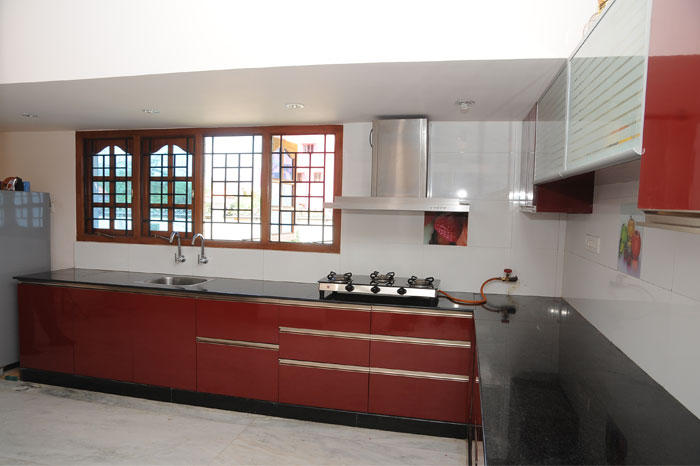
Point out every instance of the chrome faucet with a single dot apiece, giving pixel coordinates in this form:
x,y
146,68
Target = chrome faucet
x,y
178,256
201,258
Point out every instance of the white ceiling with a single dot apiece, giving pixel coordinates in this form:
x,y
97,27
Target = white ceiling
x,y
502,89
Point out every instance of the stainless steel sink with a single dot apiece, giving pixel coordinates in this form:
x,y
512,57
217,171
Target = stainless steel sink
x,y
177,280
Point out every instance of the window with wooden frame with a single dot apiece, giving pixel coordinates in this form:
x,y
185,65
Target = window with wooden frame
x,y
258,187
108,191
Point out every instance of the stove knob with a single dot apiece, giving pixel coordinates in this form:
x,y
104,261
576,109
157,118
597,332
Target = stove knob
x,y
401,291
349,288
375,289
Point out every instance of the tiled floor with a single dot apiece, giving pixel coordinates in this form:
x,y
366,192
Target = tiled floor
x,y
41,424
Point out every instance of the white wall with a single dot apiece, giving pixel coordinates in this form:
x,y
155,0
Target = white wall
x,y
655,319
476,156
47,161
80,39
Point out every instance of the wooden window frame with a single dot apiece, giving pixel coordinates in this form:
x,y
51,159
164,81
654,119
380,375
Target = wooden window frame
x,y
139,202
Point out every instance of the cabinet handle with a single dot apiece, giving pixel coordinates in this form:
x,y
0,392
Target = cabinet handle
x,y
243,344
323,365
424,312
422,341
419,375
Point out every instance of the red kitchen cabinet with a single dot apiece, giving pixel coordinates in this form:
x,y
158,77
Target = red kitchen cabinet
x,y
418,397
421,363
233,320
165,351
354,320
670,168
407,324
246,372
46,329
323,387
339,336
104,340
350,351
134,337
421,357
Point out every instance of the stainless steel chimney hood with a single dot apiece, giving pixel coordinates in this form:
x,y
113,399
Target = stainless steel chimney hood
x,y
400,176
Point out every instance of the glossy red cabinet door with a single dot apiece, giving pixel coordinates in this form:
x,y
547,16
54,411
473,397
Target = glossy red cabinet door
x,y
670,167
442,400
46,329
231,320
350,351
237,371
104,341
443,327
324,388
165,351
318,318
423,358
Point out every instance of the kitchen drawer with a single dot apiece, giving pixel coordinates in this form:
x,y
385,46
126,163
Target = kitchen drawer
x,y
329,387
232,320
418,397
243,371
423,324
330,347
445,356
46,329
354,320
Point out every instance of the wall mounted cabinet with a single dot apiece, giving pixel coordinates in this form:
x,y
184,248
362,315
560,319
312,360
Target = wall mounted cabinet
x,y
606,89
591,115
669,185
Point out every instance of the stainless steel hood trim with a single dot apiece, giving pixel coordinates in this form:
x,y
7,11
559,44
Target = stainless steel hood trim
x,y
423,204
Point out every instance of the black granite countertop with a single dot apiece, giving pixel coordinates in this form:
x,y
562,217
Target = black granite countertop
x,y
229,287
554,390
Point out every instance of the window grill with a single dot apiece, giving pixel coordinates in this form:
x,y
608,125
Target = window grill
x,y
232,194
109,187
169,168
302,180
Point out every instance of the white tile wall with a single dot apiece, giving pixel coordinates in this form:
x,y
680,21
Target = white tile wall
x,y
298,267
101,256
686,259
654,319
490,224
476,156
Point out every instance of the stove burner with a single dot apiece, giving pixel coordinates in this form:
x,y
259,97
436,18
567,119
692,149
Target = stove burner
x,y
336,278
379,278
415,282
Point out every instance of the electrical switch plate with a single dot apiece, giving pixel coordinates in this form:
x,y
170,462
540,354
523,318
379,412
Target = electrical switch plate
x,y
593,244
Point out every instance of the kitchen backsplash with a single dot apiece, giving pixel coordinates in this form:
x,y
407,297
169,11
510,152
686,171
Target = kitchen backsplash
x,y
478,157
653,319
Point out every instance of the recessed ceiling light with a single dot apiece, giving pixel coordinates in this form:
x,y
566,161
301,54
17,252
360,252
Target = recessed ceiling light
x,y
30,115
150,111
464,105
294,106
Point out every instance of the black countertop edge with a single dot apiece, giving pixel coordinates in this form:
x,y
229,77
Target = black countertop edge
x,y
554,390
232,287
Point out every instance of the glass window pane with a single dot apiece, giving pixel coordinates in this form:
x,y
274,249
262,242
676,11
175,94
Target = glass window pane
x,y
300,187
232,188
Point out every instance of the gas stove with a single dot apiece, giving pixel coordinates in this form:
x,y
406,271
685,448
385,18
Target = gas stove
x,y
378,284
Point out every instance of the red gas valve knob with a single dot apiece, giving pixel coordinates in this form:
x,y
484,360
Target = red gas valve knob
x,y
508,277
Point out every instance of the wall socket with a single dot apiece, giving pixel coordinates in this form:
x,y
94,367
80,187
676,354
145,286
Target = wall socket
x,y
593,244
